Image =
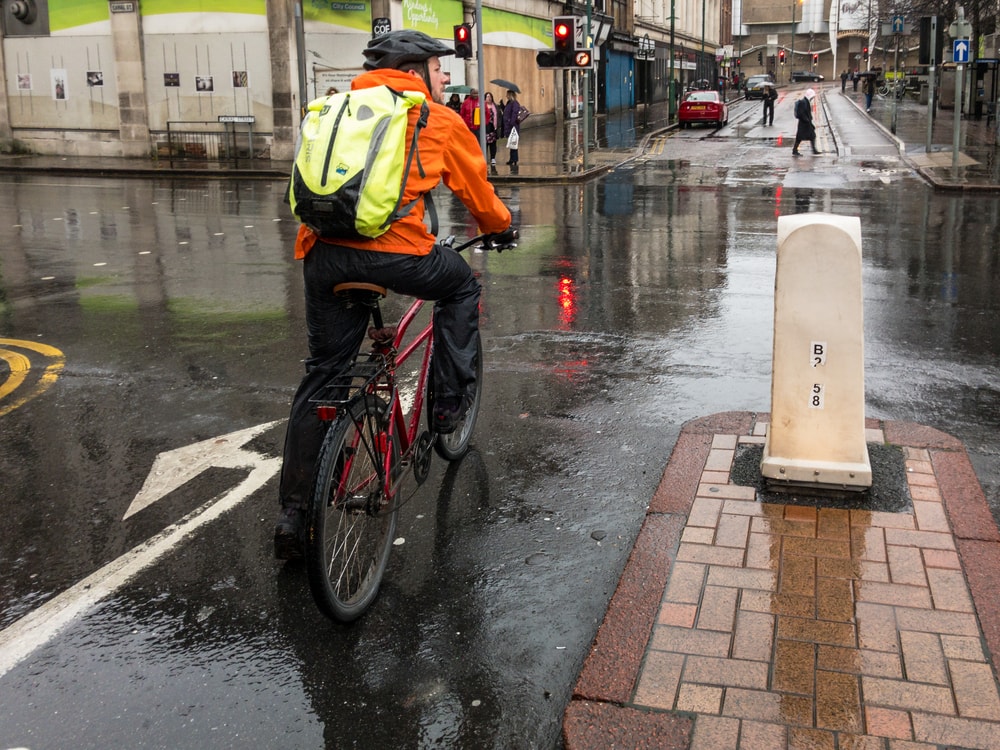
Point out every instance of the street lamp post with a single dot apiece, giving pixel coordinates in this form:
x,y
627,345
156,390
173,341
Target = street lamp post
x,y
701,60
670,89
791,45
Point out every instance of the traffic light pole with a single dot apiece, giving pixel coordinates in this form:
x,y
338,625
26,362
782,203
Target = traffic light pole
x,y
586,97
670,88
481,74
895,91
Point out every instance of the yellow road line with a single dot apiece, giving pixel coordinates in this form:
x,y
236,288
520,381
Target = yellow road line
x,y
20,366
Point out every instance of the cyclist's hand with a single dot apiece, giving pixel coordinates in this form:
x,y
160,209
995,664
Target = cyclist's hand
x,y
501,240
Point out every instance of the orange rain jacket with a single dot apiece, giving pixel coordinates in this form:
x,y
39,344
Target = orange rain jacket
x,y
449,152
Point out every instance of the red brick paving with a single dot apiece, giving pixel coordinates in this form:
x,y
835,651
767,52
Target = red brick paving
x,y
739,624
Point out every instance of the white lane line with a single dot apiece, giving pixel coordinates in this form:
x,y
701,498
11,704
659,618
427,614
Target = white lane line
x,y
21,638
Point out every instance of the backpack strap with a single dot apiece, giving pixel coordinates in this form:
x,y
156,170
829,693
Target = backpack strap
x,y
414,152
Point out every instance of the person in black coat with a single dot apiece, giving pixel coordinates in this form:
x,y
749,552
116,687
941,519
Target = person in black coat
x,y
805,131
770,97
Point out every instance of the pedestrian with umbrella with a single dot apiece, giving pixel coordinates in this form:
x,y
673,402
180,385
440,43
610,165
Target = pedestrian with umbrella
x,y
513,115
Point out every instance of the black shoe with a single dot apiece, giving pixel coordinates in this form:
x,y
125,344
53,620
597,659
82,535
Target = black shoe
x,y
817,153
288,534
796,153
448,412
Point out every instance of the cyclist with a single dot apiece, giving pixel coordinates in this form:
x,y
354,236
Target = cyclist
x,y
405,259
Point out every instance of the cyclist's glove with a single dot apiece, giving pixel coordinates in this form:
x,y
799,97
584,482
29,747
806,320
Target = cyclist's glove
x,y
501,240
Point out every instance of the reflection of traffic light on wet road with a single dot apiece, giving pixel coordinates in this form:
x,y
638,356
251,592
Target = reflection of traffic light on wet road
x,y
567,301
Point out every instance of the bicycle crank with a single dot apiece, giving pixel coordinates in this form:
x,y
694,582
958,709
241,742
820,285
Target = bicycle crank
x,y
422,456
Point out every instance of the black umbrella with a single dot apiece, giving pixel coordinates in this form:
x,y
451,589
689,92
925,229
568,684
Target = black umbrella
x,y
507,85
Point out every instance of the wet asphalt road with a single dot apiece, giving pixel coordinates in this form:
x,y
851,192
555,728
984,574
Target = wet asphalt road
x,y
634,303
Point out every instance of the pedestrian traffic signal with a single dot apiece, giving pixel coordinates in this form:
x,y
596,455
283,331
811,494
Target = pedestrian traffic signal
x,y
781,56
463,40
864,54
564,34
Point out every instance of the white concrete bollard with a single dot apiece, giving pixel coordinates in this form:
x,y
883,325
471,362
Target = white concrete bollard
x,y
817,433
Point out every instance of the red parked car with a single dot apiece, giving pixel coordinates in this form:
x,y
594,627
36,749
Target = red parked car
x,y
703,106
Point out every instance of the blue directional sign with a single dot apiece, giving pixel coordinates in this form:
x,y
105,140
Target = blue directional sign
x,y
961,51
897,24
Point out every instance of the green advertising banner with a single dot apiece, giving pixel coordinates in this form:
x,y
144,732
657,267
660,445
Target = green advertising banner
x,y
436,18
505,22
352,15
158,7
65,14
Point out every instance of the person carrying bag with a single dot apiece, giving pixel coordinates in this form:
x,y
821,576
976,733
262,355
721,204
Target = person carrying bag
x,y
511,118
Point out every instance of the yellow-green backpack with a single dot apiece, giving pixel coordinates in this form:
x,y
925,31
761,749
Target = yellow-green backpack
x,y
351,162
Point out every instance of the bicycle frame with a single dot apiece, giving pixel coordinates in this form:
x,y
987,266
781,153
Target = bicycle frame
x,y
374,373
399,428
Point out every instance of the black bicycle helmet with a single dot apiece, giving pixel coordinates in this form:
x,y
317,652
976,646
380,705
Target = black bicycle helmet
x,y
400,47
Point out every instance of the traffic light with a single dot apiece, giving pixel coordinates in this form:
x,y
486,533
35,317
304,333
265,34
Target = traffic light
x,y
760,57
578,59
864,54
781,56
463,40
565,54
738,62
564,34
815,60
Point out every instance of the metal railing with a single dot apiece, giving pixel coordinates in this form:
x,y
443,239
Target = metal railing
x,y
206,141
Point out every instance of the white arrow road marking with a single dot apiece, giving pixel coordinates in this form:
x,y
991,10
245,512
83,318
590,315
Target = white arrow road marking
x,y
36,628
173,468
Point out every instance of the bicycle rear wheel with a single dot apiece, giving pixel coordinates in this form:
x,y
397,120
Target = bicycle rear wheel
x,y
453,445
351,521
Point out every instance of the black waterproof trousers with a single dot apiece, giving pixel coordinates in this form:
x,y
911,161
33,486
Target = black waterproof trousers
x,y
337,330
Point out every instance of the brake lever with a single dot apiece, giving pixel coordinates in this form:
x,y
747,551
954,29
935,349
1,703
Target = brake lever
x,y
507,245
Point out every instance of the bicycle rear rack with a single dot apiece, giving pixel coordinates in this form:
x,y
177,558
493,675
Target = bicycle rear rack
x,y
367,375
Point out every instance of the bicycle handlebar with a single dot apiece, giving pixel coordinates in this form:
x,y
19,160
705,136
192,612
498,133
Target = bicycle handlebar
x,y
488,241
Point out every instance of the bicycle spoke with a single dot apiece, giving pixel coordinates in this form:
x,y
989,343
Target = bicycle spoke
x,y
352,522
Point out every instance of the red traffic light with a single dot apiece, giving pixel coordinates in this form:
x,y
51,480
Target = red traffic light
x,y
564,33
781,56
463,40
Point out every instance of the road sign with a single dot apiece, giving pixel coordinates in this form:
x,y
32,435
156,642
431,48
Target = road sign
x,y
897,25
961,51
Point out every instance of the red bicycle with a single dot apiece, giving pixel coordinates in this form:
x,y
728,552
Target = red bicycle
x,y
374,437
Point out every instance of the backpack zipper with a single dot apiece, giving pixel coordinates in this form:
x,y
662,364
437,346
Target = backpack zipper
x,y
333,137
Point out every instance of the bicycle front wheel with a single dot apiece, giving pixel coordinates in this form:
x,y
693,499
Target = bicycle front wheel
x,y
453,445
351,520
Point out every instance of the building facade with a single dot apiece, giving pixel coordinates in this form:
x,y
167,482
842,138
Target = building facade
x,y
122,77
